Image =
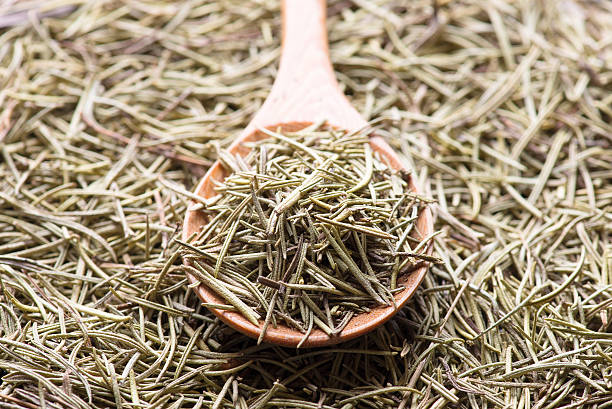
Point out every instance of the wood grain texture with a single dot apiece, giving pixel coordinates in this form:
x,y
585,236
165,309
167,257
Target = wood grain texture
x,y
305,91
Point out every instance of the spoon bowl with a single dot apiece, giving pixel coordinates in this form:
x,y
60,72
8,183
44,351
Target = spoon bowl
x,y
305,92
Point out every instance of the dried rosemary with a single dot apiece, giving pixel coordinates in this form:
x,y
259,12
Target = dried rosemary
x,y
308,229
110,114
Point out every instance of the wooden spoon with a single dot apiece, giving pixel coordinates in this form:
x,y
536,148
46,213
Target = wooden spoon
x,y
305,91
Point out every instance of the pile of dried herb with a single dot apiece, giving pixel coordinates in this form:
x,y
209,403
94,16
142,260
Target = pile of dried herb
x,y
110,115
308,229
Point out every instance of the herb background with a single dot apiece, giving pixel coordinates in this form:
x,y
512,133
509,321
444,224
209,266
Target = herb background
x,y
112,111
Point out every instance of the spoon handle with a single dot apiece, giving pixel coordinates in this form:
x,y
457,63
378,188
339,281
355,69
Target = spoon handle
x,y
305,50
305,89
